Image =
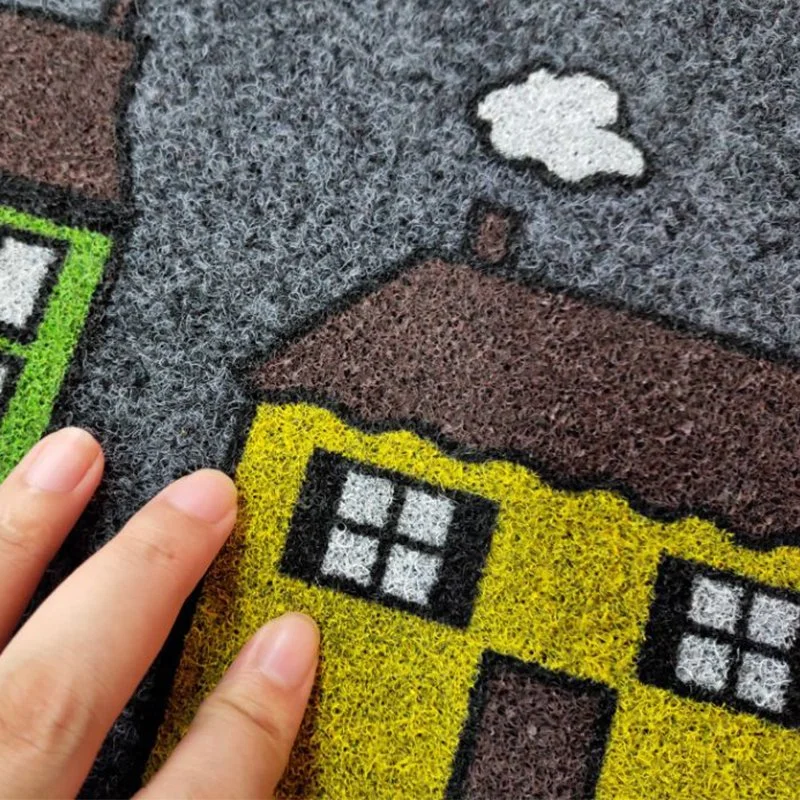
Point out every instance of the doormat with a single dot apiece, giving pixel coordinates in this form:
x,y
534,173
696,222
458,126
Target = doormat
x,y
491,309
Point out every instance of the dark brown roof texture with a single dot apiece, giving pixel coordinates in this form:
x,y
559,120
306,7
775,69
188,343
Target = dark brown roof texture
x,y
589,396
61,89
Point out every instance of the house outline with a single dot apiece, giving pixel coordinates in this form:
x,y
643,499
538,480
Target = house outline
x,y
84,227
289,426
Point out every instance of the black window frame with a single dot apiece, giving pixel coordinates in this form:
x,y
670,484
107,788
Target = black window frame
x,y
669,621
14,365
452,598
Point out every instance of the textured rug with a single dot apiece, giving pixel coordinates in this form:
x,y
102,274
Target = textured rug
x,y
492,309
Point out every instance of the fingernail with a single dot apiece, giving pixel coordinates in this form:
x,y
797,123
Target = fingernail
x,y
285,650
62,460
208,495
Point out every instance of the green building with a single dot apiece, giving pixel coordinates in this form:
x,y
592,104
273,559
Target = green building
x,y
64,199
48,275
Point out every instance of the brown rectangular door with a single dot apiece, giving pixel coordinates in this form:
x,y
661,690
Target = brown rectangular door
x,y
531,733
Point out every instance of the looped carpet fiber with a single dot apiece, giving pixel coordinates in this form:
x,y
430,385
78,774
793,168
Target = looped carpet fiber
x,y
491,309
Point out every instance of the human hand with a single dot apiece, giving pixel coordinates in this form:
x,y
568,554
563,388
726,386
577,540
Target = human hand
x,y
67,673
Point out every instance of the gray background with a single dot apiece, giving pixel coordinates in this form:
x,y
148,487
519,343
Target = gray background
x,y
284,152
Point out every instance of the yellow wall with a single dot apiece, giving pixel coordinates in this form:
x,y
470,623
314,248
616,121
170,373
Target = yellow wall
x,y
567,584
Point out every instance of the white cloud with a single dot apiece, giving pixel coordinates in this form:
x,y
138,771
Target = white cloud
x,y
561,121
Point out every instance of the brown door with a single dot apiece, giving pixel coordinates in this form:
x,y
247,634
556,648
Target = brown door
x,y
531,733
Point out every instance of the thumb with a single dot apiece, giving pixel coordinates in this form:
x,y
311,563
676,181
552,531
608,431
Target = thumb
x,y
239,743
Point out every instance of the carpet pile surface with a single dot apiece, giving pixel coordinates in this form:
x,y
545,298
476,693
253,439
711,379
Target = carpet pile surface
x,y
491,308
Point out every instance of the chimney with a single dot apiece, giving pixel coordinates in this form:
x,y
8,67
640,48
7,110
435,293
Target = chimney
x,y
493,233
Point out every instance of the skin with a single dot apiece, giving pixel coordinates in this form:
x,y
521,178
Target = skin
x,y
66,674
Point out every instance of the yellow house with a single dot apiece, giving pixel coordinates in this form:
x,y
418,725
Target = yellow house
x,y
488,633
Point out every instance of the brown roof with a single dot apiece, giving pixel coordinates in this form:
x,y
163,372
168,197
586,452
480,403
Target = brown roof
x,y
589,396
61,91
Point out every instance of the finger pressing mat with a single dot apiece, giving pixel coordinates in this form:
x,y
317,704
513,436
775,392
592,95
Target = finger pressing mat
x,y
492,310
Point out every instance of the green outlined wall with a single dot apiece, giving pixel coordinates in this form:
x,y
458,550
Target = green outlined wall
x,y
36,348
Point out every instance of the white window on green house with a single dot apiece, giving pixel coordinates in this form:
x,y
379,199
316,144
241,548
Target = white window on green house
x,y
26,269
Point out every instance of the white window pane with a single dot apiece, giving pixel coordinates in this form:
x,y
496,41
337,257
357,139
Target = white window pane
x,y
425,517
715,603
703,662
410,574
773,621
23,268
763,681
350,555
366,499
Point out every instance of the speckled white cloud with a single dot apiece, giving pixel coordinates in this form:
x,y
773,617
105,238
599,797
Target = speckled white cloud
x,y
561,121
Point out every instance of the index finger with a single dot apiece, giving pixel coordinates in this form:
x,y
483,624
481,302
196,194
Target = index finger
x,y
68,673
40,501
